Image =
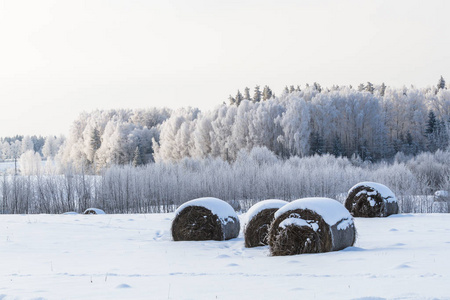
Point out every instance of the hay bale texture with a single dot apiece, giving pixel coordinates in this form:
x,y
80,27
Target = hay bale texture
x,y
205,219
371,199
259,217
94,211
311,225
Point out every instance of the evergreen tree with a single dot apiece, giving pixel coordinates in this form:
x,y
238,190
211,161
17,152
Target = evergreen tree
x,y
369,87
257,94
441,83
431,132
231,100
337,147
431,123
96,141
267,93
317,87
297,89
316,144
239,98
247,94
364,152
286,90
291,89
361,87
138,157
382,89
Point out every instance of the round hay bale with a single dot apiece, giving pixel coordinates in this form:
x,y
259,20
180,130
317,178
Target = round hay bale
x,y
371,199
311,225
442,196
205,219
259,217
94,211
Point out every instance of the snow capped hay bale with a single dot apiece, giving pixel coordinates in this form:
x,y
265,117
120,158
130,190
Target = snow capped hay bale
x,y
93,211
441,202
370,199
442,196
205,219
259,217
311,225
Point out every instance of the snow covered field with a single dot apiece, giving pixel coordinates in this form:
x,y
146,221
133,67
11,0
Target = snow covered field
x,y
133,257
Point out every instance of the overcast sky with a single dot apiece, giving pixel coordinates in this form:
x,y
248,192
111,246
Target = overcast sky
x,y
59,58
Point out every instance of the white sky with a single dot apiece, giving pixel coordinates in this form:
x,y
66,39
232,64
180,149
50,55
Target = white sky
x,y
59,58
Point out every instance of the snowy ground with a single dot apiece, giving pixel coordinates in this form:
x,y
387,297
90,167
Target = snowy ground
x,y
133,257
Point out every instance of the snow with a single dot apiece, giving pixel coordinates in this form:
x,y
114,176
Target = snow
x,y
262,205
134,257
330,210
345,224
384,191
299,222
218,207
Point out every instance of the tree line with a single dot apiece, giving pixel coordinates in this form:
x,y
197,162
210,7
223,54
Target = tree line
x,y
255,175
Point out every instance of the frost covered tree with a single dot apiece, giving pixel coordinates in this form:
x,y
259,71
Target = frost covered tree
x,y
382,89
231,100
441,83
361,87
15,152
239,98
103,138
138,158
247,94
30,163
369,87
257,94
267,93
51,147
27,144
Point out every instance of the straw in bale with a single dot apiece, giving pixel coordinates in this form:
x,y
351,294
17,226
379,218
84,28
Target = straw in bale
x,y
311,225
259,217
371,199
205,219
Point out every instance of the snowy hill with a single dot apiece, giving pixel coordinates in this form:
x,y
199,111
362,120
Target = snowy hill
x,y
134,257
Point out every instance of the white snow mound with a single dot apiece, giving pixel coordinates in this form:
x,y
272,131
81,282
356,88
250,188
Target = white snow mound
x,y
330,210
384,191
262,205
218,207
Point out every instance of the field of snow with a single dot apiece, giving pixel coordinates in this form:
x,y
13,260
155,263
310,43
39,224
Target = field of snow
x,y
133,257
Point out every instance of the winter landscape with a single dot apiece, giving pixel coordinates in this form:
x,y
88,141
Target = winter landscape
x,y
203,149
133,257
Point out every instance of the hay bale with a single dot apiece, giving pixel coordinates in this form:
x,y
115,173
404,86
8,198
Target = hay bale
x,y
370,199
442,196
311,225
205,219
93,211
441,202
259,217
